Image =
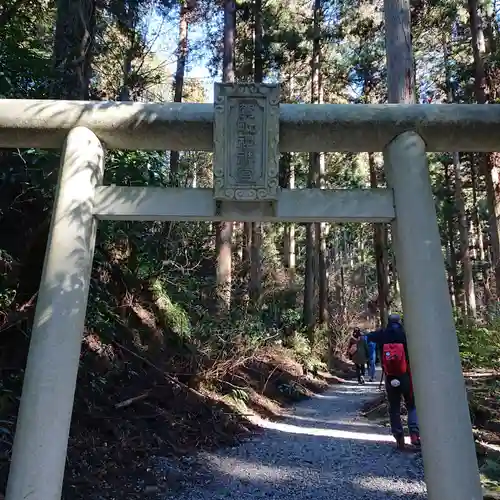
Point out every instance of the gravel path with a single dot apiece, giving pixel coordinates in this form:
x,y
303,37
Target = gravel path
x,y
323,451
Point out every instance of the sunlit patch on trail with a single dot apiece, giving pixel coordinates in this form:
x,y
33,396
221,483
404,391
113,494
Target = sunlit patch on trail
x,y
386,485
330,422
315,431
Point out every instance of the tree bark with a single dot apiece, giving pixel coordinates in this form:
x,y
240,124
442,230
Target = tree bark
x,y
465,256
319,165
489,163
182,53
315,243
224,230
454,285
73,49
290,182
380,250
256,227
72,70
481,244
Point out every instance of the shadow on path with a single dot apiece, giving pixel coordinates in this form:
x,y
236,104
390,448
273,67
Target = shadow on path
x,y
322,450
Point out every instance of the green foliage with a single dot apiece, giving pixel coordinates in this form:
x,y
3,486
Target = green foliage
x,y
238,398
310,359
239,394
7,294
293,390
479,346
172,315
490,475
291,318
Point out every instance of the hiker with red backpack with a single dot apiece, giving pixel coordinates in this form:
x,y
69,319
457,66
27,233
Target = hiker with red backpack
x,y
398,383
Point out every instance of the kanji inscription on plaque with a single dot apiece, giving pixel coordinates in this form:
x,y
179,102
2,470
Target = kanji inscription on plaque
x,y
246,138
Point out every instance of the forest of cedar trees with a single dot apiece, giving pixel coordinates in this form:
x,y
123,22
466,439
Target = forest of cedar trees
x,y
191,325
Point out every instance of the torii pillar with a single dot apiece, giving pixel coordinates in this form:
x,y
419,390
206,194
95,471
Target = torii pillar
x,y
450,463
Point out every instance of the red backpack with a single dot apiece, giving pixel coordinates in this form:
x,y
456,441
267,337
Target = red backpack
x,y
394,359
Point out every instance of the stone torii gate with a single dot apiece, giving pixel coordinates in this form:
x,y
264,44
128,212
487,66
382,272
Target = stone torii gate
x,y
247,128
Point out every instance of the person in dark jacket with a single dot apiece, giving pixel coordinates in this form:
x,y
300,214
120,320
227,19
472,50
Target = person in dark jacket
x,y
358,352
372,359
392,343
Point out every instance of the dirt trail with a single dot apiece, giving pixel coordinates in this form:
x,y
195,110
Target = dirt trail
x,y
324,450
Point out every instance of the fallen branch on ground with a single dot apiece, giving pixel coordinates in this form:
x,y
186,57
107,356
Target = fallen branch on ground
x,y
372,410
129,401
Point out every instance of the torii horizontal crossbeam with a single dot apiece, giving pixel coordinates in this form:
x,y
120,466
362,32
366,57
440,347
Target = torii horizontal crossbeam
x,y
300,205
303,127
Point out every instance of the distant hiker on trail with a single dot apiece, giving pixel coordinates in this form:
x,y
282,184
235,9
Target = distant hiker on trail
x,y
358,353
372,359
398,383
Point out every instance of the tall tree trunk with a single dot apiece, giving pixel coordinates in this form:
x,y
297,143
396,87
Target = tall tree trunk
x,y
453,282
129,21
319,166
290,228
400,71
256,227
312,182
380,250
313,230
72,71
478,231
224,230
308,305
465,257
475,211
73,49
490,163
343,301
182,53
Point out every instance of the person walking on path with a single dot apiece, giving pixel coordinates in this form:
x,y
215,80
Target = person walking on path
x,y
398,384
358,353
372,358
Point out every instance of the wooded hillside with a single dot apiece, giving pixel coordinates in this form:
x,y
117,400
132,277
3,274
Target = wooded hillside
x,y
187,322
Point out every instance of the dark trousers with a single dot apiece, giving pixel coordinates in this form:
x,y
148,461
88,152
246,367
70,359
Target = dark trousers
x,y
394,396
360,371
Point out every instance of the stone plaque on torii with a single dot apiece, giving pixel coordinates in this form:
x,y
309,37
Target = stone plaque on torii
x,y
246,145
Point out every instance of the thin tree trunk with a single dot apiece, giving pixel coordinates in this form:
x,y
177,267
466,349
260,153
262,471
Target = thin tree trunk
x,y
290,228
380,250
343,302
182,53
256,227
465,257
478,231
129,21
308,306
317,97
320,166
313,230
475,211
490,163
224,230
453,282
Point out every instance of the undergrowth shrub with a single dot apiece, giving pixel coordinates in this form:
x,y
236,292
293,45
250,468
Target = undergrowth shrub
x,y
311,358
479,345
172,315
